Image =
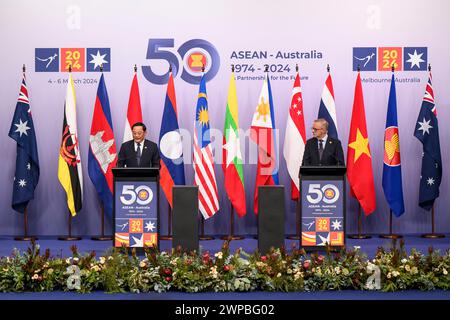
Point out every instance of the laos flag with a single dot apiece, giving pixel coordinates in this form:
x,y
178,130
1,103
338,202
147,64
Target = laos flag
x,y
170,145
102,149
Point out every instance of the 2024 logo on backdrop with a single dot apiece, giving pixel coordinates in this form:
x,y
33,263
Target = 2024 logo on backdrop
x,y
189,59
382,58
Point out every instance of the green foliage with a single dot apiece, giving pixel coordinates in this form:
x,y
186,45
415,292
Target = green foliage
x,y
121,270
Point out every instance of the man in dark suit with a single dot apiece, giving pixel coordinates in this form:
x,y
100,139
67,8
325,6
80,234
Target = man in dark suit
x,y
322,150
139,152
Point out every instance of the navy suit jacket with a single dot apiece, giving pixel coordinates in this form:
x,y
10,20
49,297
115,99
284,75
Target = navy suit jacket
x,y
149,155
333,155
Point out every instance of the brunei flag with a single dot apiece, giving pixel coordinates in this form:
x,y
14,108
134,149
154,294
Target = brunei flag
x,y
231,152
69,164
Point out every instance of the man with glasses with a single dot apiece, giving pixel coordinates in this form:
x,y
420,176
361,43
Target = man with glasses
x,y
139,152
322,150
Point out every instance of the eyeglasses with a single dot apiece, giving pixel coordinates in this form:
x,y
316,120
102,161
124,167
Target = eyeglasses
x,y
316,129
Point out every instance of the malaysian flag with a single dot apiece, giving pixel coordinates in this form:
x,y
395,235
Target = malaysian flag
x,y
205,177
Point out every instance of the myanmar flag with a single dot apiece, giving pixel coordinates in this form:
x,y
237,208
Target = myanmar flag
x,y
359,159
232,156
69,163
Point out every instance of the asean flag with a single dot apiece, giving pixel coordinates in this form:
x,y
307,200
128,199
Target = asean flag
x,y
170,145
102,148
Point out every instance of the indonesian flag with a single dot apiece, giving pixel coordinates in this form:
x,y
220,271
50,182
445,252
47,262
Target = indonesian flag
x,y
232,156
134,113
295,138
359,162
262,132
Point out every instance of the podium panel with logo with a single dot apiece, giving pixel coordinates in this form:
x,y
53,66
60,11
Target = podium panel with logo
x,y
322,214
136,207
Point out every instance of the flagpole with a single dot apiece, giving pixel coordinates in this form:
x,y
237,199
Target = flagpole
x,y
102,237
390,235
359,235
69,237
169,209
432,235
297,211
231,235
202,220
25,236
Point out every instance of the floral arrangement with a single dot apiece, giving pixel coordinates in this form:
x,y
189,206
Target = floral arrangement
x,y
121,270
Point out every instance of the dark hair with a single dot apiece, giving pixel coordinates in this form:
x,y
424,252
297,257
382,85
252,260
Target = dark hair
x,y
139,124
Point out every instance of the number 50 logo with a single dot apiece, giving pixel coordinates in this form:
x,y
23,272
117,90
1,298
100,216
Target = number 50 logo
x,y
142,195
194,54
329,193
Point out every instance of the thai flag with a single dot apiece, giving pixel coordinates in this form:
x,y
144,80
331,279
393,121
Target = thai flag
x,y
170,145
327,109
102,148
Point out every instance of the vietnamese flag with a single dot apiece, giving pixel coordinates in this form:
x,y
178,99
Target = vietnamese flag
x,y
359,162
232,156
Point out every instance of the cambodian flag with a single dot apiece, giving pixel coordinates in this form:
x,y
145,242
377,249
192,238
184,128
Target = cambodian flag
x,y
170,145
102,148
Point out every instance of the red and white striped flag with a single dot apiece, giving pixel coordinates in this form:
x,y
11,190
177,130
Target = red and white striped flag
x,y
134,113
205,177
295,138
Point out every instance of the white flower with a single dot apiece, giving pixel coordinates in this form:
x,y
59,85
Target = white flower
x,y
289,271
407,267
68,260
395,273
444,271
50,271
414,270
75,259
102,260
337,270
35,276
389,275
357,248
142,264
219,255
404,261
278,275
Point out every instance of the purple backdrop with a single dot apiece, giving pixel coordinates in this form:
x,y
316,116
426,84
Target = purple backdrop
x,y
326,27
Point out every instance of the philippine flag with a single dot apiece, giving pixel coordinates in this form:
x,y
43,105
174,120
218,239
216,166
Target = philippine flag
x,y
102,148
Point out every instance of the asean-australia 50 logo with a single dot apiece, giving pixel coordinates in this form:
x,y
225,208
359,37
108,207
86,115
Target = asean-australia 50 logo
x,y
329,193
141,195
194,55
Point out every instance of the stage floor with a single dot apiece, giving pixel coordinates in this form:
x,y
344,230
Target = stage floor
x,y
249,244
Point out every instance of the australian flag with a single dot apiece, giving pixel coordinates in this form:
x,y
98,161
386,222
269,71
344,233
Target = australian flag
x,y
27,161
427,132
